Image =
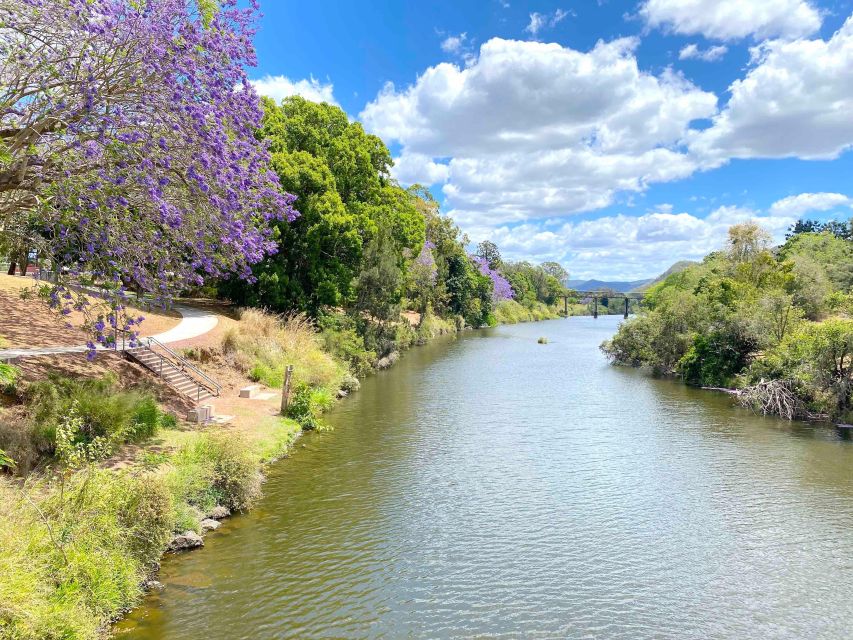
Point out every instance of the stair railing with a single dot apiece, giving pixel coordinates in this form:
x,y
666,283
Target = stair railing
x,y
183,364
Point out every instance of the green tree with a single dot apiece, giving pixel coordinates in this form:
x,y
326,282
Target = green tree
x,y
489,250
345,195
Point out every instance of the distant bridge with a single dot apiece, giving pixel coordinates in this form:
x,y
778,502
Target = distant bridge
x,y
595,296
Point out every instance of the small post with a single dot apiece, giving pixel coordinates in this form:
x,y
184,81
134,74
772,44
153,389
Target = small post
x,y
566,306
285,391
626,307
595,312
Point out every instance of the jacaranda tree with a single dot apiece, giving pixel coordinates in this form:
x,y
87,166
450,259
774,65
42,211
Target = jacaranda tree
x,y
128,155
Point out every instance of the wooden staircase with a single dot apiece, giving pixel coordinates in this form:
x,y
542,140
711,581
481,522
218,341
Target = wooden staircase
x,y
175,370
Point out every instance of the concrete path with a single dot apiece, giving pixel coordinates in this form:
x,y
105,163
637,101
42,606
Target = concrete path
x,y
194,322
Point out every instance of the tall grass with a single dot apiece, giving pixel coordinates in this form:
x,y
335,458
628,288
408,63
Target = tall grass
x,y
109,413
75,552
511,312
263,344
77,547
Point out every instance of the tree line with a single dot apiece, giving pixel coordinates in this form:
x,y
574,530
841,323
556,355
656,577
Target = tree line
x,y
772,323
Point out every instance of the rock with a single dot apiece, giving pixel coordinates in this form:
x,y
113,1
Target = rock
x,y
153,585
209,524
219,513
187,540
343,393
388,360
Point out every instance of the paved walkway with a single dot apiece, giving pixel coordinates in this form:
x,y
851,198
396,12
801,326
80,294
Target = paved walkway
x,y
194,322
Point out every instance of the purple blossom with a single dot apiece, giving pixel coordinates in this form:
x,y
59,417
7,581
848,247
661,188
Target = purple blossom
x,y
501,288
156,176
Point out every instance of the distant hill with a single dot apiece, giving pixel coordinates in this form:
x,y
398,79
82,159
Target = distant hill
x,y
618,286
681,265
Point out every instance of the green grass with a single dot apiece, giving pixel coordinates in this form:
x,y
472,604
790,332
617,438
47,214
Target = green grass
x,y
512,312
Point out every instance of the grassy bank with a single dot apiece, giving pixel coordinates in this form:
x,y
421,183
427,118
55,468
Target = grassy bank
x,y
511,312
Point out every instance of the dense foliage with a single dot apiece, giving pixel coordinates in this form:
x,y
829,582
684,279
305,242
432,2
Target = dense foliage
x,y
771,322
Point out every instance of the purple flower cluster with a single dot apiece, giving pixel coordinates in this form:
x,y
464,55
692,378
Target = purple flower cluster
x,y
425,264
131,128
501,288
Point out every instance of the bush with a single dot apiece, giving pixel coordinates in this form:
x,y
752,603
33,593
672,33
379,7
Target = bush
x,y
215,469
432,325
816,360
341,338
307,405
8,377
715,358
512,312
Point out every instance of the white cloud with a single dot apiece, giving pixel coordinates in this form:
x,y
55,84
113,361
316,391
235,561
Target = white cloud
x,y
628,247
795,101
410,168
711,54
734,19
280,87
540,21
541,130
454,44
804,203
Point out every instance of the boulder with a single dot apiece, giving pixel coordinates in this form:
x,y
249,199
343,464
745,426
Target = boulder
x,y
219,513
187,540
209,524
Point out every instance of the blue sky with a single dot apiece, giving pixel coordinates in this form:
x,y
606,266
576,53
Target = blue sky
x,y
613,136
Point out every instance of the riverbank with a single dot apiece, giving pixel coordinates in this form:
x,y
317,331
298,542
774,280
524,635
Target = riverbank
x,y
82,542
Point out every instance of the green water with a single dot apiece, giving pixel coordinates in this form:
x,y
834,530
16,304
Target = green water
x,y
491,487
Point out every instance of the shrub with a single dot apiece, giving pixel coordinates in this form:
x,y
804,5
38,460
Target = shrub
x,y
432,325
816,359
341,338
215,469
8,377
715,358
108,414
306,406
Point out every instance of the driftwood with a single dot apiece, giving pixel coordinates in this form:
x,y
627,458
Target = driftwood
x,y
773,397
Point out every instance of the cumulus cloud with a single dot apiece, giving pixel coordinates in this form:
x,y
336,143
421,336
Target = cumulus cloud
x,y
711,54
805,203
540,21
628,247
734,19
540,130
795,101
410,168
280,87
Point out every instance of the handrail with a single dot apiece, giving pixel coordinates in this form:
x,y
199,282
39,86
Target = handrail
x,y
184,363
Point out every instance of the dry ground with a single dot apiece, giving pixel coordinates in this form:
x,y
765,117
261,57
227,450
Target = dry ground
x,y
31,323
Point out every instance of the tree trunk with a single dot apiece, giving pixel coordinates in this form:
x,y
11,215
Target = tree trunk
x,y
11,270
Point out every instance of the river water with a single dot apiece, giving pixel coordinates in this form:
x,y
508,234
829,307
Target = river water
x,y
491,487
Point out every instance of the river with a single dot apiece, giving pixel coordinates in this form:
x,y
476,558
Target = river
x,y
488,486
